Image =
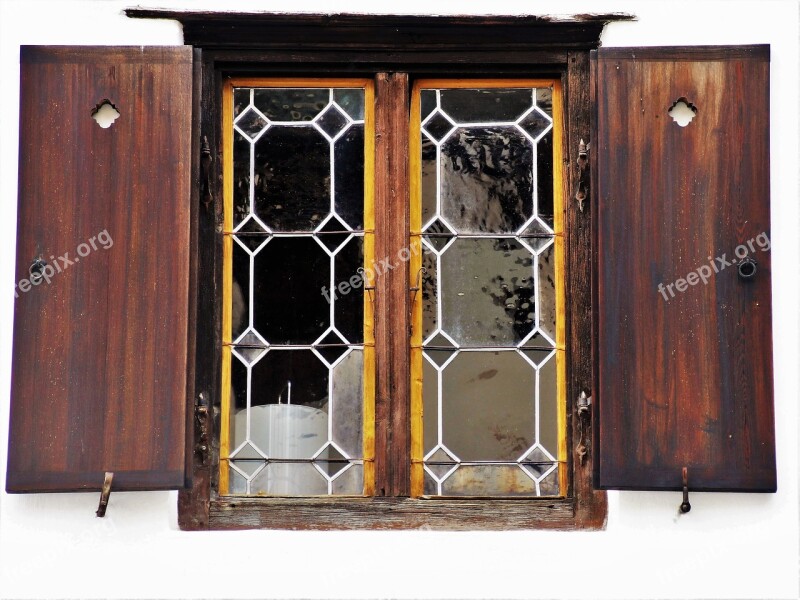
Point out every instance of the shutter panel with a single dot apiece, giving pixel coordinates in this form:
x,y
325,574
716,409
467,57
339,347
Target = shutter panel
x,y
100,350
684,373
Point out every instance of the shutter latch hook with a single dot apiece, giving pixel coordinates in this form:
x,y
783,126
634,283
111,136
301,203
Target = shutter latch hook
x,y
105,494
685,506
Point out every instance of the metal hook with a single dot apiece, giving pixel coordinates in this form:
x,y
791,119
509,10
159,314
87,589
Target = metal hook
x,y
685,506
422,271
105,494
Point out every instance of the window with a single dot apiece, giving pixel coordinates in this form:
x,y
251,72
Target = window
x,y
422,140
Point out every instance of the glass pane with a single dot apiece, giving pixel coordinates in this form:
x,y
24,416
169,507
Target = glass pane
x,y
289,275
297,364
544,182
487,179
430,408
289,479
349,176
484,480
488,406
487,292
350,482
428,181
282,104
352,101
349,301
241,177
292,178
430,295
546,264
487,200
347,405
484,105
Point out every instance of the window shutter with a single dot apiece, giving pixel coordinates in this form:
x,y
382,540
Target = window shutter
x,y
683,318
99,376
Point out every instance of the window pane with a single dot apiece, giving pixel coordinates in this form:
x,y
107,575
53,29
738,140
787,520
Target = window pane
x,y
296,399
490,393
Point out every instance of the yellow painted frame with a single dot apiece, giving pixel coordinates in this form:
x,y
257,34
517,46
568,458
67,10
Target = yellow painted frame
x,y
227,259
415,221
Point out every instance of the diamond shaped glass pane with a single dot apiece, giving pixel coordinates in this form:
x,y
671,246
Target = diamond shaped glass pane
x,y
535,123
331,461
438,234
331,347
438,126
332,121
251,123
333,233
250,347
440,463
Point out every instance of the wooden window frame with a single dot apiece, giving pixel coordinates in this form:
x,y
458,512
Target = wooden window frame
x,y
395,50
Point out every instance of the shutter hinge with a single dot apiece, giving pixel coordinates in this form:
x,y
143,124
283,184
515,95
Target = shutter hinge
x,y
583,409
582,193
201,417
206,192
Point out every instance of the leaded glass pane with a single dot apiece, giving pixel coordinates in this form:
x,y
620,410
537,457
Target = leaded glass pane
x,y
297,357
489,311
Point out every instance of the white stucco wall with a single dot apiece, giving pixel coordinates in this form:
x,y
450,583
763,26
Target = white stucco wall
x,y
729,546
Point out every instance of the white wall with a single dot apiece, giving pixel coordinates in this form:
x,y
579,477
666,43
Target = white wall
x,y
729,546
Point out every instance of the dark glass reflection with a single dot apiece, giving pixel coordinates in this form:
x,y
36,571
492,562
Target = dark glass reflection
x,y
486,105
241,178
240,307
428,182
290,104
352,101
429,293
349,180
349,308
305,372
289,275
544,174
487,179
427,102
292,178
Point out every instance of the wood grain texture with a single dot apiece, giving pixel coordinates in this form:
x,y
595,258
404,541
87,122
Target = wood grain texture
x,y
392,513
99,376
591,505
684,376
392,311
381,32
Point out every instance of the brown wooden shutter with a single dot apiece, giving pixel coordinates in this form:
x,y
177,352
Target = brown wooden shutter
x,y
99,377
684,373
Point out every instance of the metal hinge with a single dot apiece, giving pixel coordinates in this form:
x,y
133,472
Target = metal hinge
x,y
582,193
583,409
201,418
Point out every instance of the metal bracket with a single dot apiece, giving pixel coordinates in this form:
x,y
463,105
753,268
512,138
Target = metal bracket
x,y
685,506
582,193
105,494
